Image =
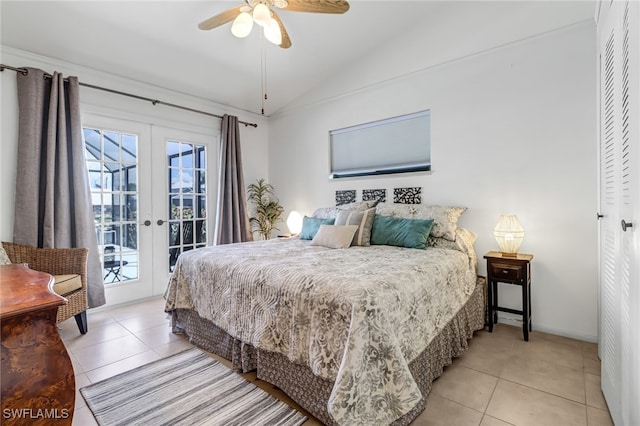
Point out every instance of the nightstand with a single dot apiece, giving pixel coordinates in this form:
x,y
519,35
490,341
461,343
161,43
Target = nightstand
x,y
510,270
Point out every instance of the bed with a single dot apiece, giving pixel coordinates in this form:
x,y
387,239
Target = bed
x,y
355,335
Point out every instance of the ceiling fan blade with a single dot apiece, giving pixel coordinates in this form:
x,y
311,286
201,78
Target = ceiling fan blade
x,y
220,18
317,6
286,41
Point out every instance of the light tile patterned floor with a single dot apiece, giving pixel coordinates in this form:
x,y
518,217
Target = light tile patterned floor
x,y
500,380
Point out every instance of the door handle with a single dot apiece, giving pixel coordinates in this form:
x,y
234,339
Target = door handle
x,y
626,225
146,223
599,216
160,222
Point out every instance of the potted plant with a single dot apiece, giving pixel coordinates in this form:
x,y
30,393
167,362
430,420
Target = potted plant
x,y
268,210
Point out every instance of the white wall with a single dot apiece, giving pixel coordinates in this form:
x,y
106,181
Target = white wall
x,y
254,140
513,131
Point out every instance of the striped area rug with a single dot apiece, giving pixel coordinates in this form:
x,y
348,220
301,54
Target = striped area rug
x,y
189,388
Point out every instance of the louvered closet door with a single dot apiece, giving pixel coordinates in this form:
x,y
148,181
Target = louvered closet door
x,y
619,288
609,233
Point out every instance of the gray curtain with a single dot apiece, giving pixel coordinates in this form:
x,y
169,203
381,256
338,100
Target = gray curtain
x,y
232,222
53,206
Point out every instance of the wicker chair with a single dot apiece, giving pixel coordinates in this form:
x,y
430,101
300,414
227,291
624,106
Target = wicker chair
x,y
58,261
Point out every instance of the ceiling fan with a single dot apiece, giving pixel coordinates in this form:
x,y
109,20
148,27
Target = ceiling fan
x,y
263,13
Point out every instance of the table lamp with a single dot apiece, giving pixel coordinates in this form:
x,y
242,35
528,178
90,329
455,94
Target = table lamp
x,y
294,222
509,234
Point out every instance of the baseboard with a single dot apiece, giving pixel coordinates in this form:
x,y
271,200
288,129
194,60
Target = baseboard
x,y
107,306
516,321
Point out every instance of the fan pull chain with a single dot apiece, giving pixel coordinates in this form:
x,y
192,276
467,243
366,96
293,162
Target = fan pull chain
x,y
263,72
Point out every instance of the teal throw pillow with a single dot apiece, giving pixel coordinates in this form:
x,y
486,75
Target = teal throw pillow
x,y
394,231
310,226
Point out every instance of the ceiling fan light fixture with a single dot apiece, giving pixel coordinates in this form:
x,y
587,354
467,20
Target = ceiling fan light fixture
x,y
262,15
272,32
242,25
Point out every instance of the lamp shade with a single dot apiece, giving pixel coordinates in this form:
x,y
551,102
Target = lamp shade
x,y
509,234
294,222
262,15
242,25
272,32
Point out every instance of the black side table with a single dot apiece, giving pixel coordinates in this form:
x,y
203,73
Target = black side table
x,y
510,270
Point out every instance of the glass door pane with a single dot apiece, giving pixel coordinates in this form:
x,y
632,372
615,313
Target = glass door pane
x,y
187,198
112,162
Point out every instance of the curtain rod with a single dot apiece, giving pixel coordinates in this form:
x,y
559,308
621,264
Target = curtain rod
x,y
25,71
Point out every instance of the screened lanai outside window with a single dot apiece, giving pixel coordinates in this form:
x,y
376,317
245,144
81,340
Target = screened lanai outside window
x,y
187,198
112,162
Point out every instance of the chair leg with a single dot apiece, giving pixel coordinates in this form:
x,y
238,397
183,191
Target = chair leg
x,y
81,320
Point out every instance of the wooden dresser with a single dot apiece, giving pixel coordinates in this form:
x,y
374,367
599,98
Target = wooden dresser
x,y
38,384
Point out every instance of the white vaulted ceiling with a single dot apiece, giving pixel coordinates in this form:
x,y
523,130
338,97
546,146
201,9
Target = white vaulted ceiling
x,y
158,42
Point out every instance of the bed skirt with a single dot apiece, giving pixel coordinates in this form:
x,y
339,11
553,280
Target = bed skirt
x,y
312,392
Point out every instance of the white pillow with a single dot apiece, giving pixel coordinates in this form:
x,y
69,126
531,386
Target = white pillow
x,y
334,236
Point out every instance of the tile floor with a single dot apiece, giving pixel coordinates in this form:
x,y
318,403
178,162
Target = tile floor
x,y
500,380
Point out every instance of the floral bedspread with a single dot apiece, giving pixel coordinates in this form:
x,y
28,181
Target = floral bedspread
x,y
357,316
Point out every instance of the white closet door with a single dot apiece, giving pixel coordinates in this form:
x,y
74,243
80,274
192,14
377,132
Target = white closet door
x,y
609,233
631,134
619,47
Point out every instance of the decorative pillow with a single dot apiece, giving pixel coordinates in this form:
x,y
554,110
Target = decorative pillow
x,y
326,213
4,258
332,212
358,205
334,236
464,243
364,220
310,226
393,231
445,218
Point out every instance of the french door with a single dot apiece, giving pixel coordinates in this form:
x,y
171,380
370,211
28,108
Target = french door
x,y
184,173
151,189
